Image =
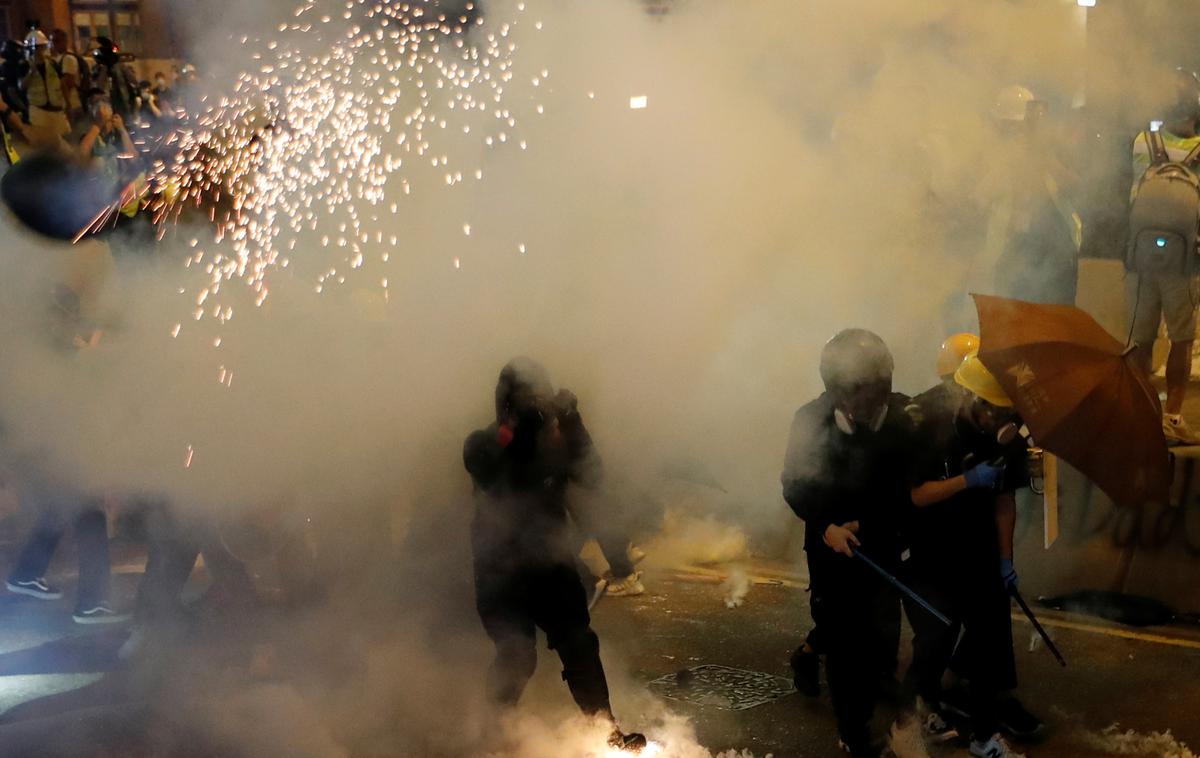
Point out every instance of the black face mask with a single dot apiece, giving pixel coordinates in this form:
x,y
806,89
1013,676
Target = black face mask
x,y
530,420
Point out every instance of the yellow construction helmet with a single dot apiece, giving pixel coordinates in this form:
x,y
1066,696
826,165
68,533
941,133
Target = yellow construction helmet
x,y
973,376
1012,103
954,350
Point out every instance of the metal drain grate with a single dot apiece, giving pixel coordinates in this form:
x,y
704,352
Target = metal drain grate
x,y
722,687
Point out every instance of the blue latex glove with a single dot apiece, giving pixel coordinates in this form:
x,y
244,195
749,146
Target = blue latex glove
x,y
983,476
1008,572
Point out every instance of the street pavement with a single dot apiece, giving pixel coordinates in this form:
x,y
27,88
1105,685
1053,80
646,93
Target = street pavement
x,y
1144,680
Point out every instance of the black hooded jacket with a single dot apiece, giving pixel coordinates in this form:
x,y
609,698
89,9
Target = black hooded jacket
x,y
521,515
830,477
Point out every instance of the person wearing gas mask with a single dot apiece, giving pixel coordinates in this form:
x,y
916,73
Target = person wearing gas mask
x,y
845,475
946,394
114,77
522,542
970,460
106,139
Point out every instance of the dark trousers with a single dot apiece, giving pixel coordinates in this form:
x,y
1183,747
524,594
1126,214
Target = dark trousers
x,y
91,536
172,550
976,601
860,627
515,601
816,638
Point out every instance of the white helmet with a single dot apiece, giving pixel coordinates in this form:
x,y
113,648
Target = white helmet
x,y
36,38
1010,103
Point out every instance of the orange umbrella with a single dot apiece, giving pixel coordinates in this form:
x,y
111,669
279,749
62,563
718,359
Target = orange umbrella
x,y
1080,393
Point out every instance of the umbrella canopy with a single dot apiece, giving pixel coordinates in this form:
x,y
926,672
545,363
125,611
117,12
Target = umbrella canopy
x,y
55,196
1080,394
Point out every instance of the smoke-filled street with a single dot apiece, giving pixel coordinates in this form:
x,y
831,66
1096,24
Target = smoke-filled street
x,y
544,378
681,623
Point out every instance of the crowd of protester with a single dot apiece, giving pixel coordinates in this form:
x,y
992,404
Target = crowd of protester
x,y
860,457
87,102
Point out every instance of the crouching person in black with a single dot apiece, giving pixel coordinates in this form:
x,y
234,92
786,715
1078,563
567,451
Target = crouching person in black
x,y
846,475
525,572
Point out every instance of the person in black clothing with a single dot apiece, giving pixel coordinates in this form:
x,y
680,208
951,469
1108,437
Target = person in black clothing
x,y
845,474
61,504
59,508
521,539
173,543
13,70
971,459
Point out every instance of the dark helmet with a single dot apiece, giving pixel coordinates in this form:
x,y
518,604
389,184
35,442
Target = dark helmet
x,y
855,357
524,386
12,50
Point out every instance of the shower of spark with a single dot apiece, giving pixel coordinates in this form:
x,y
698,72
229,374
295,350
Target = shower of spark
x,y
321,146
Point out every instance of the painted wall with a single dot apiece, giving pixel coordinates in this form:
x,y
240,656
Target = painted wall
x,y
1151,550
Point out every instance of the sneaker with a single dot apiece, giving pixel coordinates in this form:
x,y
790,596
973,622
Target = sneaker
x,y
99,614
629,743
39,588
937,729
1177,431
996,747
906,741
1016,721
806,671
629,586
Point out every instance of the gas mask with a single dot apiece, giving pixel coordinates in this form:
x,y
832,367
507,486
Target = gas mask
x,y
847,424
1008,433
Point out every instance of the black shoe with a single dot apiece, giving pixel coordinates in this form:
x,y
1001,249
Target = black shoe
x,y
863,749
37,587
629,743
1016,721
956,702
806,672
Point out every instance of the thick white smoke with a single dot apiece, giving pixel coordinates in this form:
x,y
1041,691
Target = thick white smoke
x,y
799,168
683,262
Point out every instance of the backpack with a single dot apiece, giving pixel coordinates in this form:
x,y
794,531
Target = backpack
x,y
1164,219
85,73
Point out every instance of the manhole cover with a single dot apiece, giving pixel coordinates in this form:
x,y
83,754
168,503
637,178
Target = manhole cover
x,y
722,687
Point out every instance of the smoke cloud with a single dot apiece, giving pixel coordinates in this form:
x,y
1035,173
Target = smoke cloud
x,y
797,168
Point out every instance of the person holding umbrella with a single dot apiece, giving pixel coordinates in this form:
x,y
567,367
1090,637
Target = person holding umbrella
x,y
845,475
971,460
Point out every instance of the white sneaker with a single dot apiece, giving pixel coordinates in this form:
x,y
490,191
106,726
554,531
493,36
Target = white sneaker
x,y
996,747
629,586
1177,431
906,741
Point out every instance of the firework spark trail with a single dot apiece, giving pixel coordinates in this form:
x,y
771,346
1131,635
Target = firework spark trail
x,y
318,143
